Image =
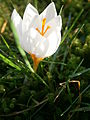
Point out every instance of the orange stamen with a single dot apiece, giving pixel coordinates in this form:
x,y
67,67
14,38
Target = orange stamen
x,y
43,26
46,29
38,30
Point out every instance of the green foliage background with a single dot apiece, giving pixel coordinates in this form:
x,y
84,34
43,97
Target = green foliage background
x,y
53,93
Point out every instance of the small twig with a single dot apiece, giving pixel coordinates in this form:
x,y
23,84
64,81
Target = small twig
x,y
4,26
76,99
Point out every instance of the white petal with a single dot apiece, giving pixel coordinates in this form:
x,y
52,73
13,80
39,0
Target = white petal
x,y
29,14
17,20
59,38
29,17
55,22
53,41
36,23
49,13
41,48
35,43
26,33
30,11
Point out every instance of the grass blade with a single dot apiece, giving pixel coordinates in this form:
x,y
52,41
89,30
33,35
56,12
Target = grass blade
x,y
80,73
64,37
78,66
9,62
5,42
82,109
75,35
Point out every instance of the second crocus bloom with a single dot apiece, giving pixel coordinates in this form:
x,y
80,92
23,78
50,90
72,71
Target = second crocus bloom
x,y
39,35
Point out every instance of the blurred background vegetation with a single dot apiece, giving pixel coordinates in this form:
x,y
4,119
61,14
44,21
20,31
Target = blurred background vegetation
x,y
60,90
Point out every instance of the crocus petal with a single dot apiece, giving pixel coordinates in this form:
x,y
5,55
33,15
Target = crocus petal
x,y
26,34
53,42
36,23
35,43
49,13
55,22
29,14
59,39
17,20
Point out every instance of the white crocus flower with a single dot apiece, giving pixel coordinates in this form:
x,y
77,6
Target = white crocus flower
x,y
39,35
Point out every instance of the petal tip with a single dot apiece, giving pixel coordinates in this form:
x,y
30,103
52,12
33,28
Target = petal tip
x,y
13,14
30,6
52,4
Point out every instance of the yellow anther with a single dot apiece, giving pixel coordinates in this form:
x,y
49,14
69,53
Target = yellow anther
x,y
43,25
